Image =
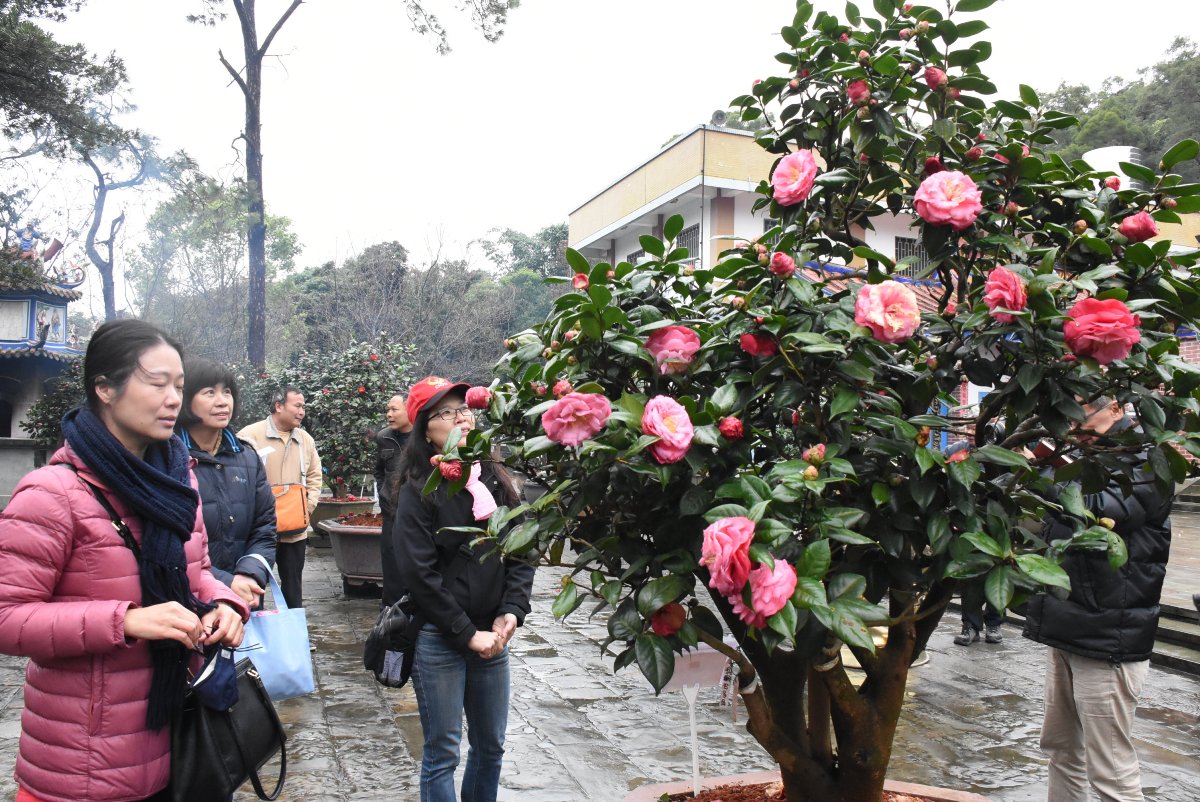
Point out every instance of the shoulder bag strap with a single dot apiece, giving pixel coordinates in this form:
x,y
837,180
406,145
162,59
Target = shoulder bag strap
x,y
117,522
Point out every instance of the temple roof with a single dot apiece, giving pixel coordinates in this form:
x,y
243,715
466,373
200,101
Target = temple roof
x,y
58,355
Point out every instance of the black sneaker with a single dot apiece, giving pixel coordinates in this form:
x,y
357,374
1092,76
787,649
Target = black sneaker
x,y
968,636
993,634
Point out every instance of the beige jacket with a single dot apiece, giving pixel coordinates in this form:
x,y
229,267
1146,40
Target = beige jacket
x,y
290,461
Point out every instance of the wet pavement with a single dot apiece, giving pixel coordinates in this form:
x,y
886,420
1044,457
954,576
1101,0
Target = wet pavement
x,y
579,732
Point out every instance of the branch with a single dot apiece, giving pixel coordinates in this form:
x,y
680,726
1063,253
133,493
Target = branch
x,y
262,51
236,75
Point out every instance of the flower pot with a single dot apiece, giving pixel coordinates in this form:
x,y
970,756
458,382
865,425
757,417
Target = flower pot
x,y
652,793
329,507
356,553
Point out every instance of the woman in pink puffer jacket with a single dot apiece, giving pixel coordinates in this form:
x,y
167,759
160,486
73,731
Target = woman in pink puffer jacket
x,y
109,625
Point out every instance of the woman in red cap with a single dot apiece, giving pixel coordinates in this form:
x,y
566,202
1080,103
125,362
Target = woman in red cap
x,y
469,605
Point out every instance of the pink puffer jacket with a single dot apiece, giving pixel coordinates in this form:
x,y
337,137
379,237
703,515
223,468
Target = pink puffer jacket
x,y
66,580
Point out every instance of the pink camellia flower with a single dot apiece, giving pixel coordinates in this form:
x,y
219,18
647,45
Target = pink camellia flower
x,y
561,388
770,589
479,397
1138,227
726,552
859,92
888,309
451,470
793,177
958,456
814,455
1112,182
576,417
1102,329
906,33
951,309
974,154
667,420
673,348
1004,290
783,265
731,428
580,282
933,165
538,387
844,38
948,198
758,344
935,77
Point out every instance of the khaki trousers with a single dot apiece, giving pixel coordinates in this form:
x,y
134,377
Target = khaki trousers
x,y
1088,729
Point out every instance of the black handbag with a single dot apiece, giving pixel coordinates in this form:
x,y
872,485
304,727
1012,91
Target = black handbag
x,y
388,652
213,752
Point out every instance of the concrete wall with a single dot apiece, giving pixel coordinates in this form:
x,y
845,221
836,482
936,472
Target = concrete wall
x,y
17,458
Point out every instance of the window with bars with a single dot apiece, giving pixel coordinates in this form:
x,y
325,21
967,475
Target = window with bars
x,y
907,247
690,238
636,256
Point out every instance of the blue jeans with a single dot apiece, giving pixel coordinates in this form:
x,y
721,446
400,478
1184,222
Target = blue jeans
x,y
448,683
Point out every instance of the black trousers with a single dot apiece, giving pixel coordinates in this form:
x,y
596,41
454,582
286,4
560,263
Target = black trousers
x,y
289,557
391,569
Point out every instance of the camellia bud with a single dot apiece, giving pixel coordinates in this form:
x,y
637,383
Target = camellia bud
x,y
935,77
547,353
864,56
906,33
435,459
804,73
1107,523
908,7
555,346
570,334
731,428
795,417
1169,203
793,84
922,27
950,311
539,388
561,388
1080,228
759,248
864,158
759,319
952,92
580,282
479,397
1011,209
451,470
931,363
844,38
1112,182
814,455
668,620
933,165
863,113
980,137
974,154
737,302
811,473
610,275
508,344
571,360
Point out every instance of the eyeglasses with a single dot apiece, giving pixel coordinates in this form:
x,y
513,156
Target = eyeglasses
x,y
452,413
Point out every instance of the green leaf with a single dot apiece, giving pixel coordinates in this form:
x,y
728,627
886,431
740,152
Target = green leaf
x,y
726,511
652,245
1118,552
784,621
655,659
809,593
1071,498
1183,151
1001,456
724,398
965,472
625,624
659,592
673,226
973,5
938,532
851,629
1139,172
844,400
1043,570
1029,96
815,561
611,592
577,261
567,601
984,543
520,538
999,586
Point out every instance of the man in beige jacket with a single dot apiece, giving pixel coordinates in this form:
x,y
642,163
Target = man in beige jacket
x,y
290,457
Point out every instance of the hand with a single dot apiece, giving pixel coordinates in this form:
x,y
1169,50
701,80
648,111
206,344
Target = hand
x,y
485,644
166,621
504,626
248,589
222,625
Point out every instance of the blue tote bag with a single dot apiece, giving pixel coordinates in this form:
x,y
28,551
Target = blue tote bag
x,y
276,641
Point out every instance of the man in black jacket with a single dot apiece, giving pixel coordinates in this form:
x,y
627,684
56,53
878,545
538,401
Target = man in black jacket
x,y
1102,634
390,441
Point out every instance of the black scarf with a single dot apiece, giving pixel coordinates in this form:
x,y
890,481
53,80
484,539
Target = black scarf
x,y
161,496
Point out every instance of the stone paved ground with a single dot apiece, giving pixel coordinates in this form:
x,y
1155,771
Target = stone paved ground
x,y
577,732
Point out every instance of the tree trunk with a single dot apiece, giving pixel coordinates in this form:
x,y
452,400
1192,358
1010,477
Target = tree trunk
x,y
256,227
103,266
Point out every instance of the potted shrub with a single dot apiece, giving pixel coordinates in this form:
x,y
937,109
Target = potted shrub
x,y
761,430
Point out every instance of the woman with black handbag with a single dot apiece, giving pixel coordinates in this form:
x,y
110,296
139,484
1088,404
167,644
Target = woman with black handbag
x,y
470,605
105,581
239,510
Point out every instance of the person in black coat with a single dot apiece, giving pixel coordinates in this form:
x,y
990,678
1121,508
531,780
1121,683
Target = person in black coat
x,y
390,442
238,508
1102,633
471,599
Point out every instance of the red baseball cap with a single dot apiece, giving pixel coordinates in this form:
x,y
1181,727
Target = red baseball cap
x,y
428,391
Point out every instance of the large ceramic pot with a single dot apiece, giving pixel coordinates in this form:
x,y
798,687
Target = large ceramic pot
x,y
328,508
356,553
652,793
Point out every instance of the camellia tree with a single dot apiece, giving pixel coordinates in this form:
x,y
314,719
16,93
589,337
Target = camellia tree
x,y
759,430
345,396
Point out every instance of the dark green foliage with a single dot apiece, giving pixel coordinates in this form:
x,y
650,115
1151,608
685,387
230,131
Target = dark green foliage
x,y
45,416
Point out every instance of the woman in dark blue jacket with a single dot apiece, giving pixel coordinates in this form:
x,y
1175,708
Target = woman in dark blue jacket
x,y
239,510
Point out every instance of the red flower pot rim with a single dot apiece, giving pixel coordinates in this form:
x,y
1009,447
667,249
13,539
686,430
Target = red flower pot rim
x,y
344,499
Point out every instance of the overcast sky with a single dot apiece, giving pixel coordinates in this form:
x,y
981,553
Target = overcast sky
x,y
369,135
